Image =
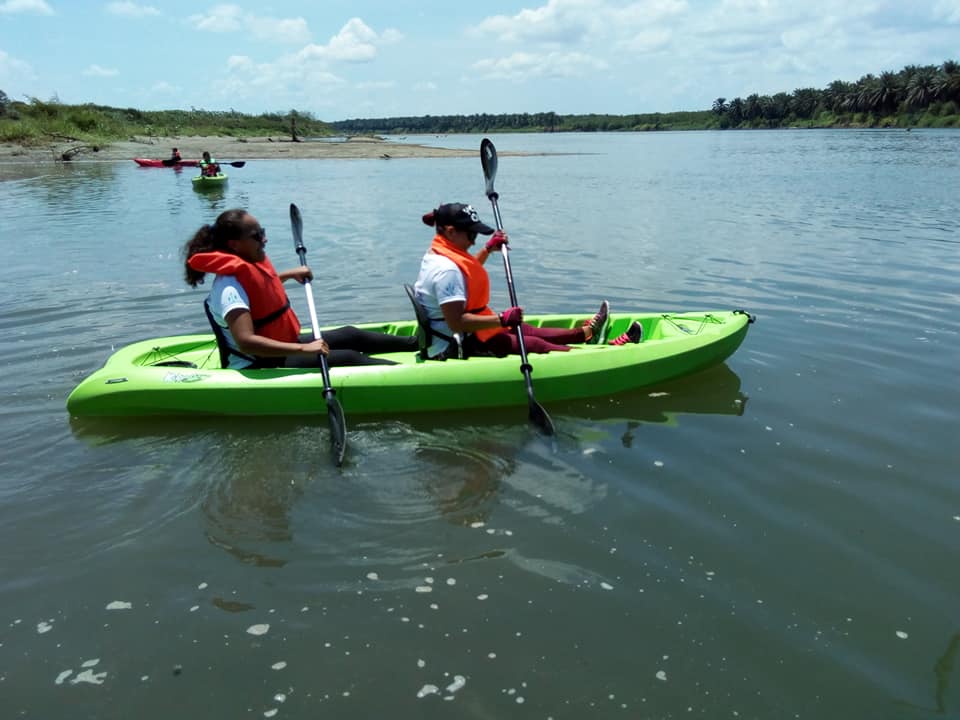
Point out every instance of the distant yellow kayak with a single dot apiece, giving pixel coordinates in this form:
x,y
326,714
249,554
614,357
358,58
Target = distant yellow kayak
x,y
209,181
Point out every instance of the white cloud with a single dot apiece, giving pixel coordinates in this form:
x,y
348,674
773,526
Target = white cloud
x,y
290,80
563,21
425,86
233,18
376,85
574,22
293,31
12,69
524,66
646,41
26,6
165,88
356,42
131,9
948,10
220,18
97,71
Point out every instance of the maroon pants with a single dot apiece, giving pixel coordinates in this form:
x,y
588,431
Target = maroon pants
x,y
536,340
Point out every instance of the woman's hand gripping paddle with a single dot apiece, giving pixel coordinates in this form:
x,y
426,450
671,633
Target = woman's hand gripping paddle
x,y
538,416
338,424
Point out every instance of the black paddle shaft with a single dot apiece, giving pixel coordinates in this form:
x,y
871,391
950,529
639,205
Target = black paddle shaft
x,y
338,423
538,415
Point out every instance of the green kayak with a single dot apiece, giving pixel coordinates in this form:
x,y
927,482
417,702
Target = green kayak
x,y
201,182
181,375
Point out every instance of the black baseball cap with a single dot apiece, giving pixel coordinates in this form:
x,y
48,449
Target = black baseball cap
x,y
462,217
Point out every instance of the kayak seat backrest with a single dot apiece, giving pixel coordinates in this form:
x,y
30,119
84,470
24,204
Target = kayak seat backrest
x,y
222,345
425,331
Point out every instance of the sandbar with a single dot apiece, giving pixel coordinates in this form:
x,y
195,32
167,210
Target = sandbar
x,y
225,149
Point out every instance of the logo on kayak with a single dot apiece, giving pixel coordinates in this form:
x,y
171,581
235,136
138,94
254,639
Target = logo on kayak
x,y
178,377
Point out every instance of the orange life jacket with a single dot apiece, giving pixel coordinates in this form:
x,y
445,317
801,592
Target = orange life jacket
x,y
476,279
269,306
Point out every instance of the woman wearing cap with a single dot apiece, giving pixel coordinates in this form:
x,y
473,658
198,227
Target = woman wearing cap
x,y
454,288
249,310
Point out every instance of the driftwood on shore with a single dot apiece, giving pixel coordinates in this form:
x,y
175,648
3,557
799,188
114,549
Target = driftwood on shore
x,y
71,153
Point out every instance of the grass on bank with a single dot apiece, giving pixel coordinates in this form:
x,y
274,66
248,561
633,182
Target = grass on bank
x,y
40,122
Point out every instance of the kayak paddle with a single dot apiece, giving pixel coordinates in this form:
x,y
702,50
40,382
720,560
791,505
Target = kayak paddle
x,y
170,162
538,416
338,424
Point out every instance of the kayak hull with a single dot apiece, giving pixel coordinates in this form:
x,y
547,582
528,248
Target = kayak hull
x,y
202,182
147,162
181,375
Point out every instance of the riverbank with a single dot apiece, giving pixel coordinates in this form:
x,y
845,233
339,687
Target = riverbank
x,y
223,148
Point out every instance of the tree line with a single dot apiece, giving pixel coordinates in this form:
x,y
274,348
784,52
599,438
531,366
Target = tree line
x,y
916,96
925,95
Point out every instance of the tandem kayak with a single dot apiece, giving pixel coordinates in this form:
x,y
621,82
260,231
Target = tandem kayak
x,y
203,182
147,162
181,375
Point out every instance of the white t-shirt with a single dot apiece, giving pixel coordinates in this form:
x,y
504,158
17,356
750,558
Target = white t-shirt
x,y
440,282
227,294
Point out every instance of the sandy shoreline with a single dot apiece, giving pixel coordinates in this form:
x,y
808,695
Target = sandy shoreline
x,y
224,148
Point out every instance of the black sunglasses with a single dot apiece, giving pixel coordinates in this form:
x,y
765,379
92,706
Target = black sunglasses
x,y
258,233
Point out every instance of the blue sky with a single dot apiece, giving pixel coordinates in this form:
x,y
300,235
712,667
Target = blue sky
x,y
358,58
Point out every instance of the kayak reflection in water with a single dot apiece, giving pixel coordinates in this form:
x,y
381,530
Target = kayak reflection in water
x,y
209,166
249,309
454,289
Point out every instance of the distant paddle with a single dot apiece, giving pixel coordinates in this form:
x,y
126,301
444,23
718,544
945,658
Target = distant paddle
x,y
538,416
170,162
338,424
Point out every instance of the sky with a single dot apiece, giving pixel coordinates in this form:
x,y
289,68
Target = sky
x,y
341,59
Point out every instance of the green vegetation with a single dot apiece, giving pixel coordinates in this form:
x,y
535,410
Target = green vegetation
x,y
37,122
526,122
917,96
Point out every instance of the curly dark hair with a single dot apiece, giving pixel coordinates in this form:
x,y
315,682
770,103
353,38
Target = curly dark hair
x,y
228,225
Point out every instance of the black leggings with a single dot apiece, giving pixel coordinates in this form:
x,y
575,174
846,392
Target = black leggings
x,y
352,346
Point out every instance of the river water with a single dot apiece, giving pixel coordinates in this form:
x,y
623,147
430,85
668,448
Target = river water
x,y
773,538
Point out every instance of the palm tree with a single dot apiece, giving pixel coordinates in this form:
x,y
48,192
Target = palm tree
x,y
720,106
948,81
866,93
735,111
921,86
777,109
839,96
804,102
888,92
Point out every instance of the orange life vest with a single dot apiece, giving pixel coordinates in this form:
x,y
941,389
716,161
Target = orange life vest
x,y
269,306
476,279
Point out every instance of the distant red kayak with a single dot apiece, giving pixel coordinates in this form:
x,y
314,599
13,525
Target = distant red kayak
x,y
145,162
